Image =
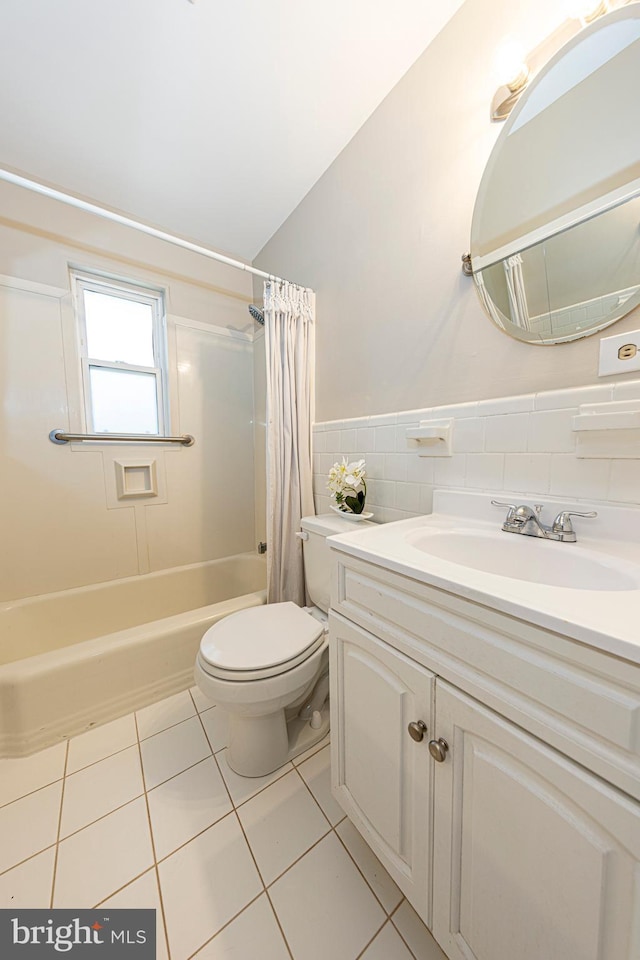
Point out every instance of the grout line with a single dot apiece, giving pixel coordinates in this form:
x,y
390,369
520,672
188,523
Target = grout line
x,y
399,932
92,763
153,844
124,886
280,927
224,927
55,856
368,944
362,874
315,799
30,793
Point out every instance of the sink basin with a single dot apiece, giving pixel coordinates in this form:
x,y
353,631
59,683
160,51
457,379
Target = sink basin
x,y
526,558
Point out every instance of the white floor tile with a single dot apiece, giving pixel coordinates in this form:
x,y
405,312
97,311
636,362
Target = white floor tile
x,y
281,823
28,886
98,789
205,884
101,742
216,722
324,906
143,894
201,701
29,825
317,775
374,873
186,805
164,714
25,774
172,751
388,945
254,935
414,932
97,861
242,788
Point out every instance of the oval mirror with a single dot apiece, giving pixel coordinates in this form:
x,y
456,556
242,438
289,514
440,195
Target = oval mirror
x,y
555,237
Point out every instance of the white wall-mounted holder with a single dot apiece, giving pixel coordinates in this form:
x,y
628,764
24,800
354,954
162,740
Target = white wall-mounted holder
x,y
136,478
432,438
608,430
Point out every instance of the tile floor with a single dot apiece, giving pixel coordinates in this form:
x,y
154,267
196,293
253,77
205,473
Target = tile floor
x,y
145,812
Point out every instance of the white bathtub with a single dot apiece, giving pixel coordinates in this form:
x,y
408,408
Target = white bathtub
x,y
81,657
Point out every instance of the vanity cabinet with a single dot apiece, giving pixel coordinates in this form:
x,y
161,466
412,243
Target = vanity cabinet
x,y
522,839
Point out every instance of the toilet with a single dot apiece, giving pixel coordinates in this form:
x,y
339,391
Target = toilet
x,y
268,666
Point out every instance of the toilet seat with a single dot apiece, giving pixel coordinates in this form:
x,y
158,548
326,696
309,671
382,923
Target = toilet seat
x,y
260,642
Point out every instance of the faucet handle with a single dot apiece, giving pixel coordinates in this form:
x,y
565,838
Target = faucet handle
x,y
562,523
512,507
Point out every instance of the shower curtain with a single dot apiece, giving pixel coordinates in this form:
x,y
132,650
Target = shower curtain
x,y
289,315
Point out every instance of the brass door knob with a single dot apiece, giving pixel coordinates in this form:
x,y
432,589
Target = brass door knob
x,y
417,730
438,749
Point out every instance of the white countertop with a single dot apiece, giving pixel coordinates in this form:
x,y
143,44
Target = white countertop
x,y
606,619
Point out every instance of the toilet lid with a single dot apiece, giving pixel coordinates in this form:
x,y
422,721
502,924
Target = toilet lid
x,y
261,637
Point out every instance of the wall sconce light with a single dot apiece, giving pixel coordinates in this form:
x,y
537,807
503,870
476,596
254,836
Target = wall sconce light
x,y
520,69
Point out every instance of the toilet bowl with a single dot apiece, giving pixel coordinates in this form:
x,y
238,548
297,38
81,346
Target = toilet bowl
x,y
267,666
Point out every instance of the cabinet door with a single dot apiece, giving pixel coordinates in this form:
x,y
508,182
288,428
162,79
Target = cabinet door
x,y
534,857
381,776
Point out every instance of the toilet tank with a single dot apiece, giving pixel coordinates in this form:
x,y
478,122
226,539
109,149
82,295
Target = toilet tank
x,y
317,553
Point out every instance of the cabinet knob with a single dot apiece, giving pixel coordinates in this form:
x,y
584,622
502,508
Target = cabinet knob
x,y
438,749
417,730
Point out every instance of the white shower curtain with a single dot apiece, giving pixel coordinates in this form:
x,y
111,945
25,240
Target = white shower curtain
x,y
289,322
517,293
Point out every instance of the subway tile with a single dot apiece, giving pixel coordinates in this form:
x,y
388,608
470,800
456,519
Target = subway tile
x,y
485,471
383,493
584,479
426,498
332,440
506,405
348,443
551,431
628,390
365,438
506,433
396,466
559,399
450,471
624,481
391,514
527,472
408,497
375,466
468,435
420,469
385,439
319,441
383,420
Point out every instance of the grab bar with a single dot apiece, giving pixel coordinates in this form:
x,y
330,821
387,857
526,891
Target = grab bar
x,y
58,436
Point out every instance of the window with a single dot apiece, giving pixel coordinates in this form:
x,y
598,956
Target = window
x,y
122,347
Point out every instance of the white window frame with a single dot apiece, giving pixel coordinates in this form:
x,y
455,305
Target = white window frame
x,y
97,283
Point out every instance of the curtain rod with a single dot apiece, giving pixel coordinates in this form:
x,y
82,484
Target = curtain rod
x,y
129,222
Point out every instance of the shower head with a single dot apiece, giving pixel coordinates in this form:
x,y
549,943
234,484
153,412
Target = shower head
x,y
256,314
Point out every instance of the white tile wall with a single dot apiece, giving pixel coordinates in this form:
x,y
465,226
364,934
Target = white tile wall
x,y
523,444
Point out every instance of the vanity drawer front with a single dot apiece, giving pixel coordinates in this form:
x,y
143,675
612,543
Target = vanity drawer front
x,y
583,701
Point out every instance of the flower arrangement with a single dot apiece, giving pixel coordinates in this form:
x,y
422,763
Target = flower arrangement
x,y
347,485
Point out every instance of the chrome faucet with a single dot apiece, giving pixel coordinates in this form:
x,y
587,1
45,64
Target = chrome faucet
x,y
523,519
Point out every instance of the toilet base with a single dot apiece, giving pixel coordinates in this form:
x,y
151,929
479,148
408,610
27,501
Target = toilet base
x,y
257,746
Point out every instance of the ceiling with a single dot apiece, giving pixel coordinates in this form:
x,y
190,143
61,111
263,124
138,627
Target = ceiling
x,y
209,119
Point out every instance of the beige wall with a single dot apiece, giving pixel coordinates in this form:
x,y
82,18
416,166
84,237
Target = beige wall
x,y
62,524
381,234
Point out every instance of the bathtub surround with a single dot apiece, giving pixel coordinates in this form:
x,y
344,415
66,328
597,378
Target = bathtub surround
x,y
524,445
66,524
380,236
